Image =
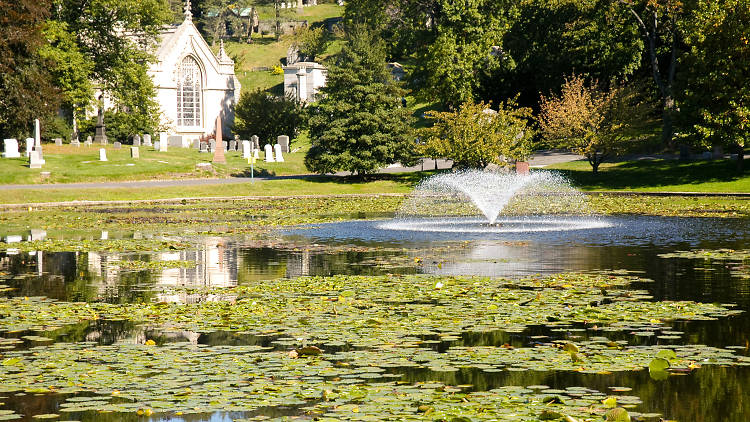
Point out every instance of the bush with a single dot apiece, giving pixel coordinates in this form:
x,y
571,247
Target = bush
x,y
268,116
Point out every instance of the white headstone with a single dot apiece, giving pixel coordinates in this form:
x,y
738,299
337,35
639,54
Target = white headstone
x,y
35,160
37,134
147,140
11,148
117,145
37,234
58,142
137,140
134,152
102,154
256,153
75,143
88,141
277,150
246,151
29,146
163,141
269,153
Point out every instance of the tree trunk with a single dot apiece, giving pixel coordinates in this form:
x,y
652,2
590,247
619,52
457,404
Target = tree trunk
x,y
740,158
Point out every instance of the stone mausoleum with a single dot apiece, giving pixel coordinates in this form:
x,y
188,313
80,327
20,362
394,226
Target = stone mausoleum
x,y
193,85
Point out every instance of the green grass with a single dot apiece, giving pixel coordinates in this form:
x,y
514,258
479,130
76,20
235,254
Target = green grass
x,y
311,185
658,175
67,164
261,80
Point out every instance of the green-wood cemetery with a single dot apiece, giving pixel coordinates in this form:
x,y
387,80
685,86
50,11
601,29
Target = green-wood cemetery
x,y
434,210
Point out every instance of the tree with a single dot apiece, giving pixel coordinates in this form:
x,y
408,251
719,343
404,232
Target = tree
x,y
310,42
549,39
659,21
26,91
267,116
475,135
359,124
115,39
716,100
591,121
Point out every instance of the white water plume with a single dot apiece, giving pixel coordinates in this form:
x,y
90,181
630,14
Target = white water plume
x,y
472,192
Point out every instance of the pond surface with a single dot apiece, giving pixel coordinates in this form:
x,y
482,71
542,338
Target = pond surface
x,y
514,249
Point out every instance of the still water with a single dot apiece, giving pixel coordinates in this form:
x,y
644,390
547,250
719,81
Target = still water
x,y
372,247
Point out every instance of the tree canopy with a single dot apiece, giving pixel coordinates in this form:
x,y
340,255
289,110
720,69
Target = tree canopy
x,y
359,123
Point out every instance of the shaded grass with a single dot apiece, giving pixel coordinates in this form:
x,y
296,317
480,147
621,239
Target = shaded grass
x,y
658,175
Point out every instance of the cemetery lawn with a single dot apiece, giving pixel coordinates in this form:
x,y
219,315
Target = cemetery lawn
x,y
657,175
67,164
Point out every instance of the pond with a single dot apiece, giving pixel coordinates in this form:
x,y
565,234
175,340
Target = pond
x,y
572,315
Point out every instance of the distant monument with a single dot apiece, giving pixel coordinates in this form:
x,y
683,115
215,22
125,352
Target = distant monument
x,y
219,152
100,136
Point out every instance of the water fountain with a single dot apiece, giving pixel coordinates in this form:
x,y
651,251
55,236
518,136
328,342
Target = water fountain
x,y
477,201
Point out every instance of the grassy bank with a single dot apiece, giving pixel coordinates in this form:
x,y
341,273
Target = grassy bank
x,y
658,175
67,164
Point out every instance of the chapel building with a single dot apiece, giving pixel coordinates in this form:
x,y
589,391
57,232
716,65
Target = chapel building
x,y
193,85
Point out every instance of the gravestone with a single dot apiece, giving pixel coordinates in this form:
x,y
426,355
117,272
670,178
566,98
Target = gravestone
x,y
58,142
203,146
136,140
197,144
147,140
37,134
718,151
29,146
117,145
277,151
39,151
163,141
256,153
268,149
11,148
75,143
135,152
88,141
522,167
175,141
283,140
246,151
212,145
256,141
226,145
232,145
100,135
102,154
163,144
157,145
35,159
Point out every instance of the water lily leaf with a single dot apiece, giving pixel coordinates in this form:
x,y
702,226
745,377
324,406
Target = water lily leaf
x,y
617,414
667,354
658,364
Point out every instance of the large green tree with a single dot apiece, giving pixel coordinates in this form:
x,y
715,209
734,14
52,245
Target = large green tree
x,y
26,91
114,40
359,124
267,116
716,95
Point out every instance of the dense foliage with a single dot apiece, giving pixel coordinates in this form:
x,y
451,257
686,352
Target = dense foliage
x,y
267,116
359,124
591,121
475,135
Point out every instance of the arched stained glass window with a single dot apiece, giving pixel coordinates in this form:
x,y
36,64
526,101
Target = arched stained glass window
x,y
189,93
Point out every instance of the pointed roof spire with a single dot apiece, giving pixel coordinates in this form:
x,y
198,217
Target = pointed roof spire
x,y
223,56
188,14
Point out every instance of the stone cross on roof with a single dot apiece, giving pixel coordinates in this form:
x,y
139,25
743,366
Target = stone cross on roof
x,y
188,14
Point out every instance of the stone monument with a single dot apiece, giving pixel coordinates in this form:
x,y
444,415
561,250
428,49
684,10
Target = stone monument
x,y
283,140
246,151
37,134
219,153
135,152
102,154
147,140
58,142
29,146
268,149
11,148
100,136
277,151
136,140
163,142
35,159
